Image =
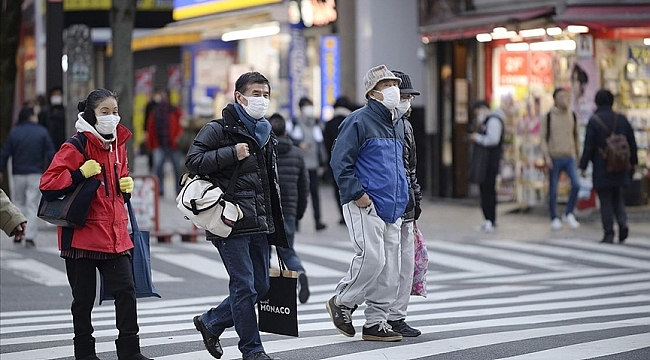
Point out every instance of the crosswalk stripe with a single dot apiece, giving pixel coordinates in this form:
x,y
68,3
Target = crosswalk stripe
x,y
513,257
604,280
197,263
633,251
583,255
36,271
598,348
549,276
467,264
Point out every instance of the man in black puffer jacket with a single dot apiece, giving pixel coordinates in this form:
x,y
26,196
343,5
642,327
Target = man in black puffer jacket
x,y
242,140
294,189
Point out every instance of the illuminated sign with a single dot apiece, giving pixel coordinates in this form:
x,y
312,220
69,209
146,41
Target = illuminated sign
x,y
185,9
94,5
330,69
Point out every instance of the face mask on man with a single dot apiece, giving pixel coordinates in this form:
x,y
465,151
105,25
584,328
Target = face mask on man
x,y
391,97
308,111
403,106
257,106
106,124
56,100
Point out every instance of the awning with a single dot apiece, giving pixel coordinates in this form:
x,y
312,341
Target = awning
x,y
606,16
468,26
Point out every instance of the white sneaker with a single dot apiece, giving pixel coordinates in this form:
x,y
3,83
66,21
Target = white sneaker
x,y
556,224
571,220
487,227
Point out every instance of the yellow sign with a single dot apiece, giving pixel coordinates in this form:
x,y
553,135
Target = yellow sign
x,y
216,6
100,5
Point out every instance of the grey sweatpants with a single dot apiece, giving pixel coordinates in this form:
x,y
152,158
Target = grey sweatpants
x,y
373,275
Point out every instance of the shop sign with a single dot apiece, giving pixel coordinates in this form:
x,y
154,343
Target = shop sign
x,y
185,9
86,5
330,69
515,68
297,67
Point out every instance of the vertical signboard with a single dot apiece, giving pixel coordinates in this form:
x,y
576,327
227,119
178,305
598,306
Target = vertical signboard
x,y
297,66
330,68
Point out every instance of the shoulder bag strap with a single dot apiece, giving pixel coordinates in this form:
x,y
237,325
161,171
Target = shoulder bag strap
x,y
78,143
602,123
134,222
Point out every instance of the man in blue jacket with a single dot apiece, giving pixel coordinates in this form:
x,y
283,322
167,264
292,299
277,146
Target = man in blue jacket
x,y
31,149
367,162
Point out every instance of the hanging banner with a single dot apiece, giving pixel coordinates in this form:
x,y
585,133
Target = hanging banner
x,y
297,66
143,89
330,68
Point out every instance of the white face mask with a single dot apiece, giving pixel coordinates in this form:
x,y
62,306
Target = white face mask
x,y
391,97
257,106
403,107
106,124
56,100
308,111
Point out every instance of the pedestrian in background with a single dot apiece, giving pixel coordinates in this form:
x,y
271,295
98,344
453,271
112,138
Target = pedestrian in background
x,y
242,141
560,146
308,134
30,148
294,190
608,185
368,166
12,221
103,243
398,309
342,108
163,132
53,117
488,141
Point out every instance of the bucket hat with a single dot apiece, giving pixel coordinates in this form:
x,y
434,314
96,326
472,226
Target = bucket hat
x,y
377,74
405,86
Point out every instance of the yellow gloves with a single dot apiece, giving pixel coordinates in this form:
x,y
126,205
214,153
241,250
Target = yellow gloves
x,y
90,168
126,184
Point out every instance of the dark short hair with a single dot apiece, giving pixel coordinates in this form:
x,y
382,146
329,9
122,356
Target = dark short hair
x,y
25,113
249,78
278,124
558,90
604,97
89,105
304,101
481,103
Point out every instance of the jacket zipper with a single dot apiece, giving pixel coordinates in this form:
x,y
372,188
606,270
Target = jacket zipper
x,y
105,180
118,191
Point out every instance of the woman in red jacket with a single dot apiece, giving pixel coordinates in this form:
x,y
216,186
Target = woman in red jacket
x,y
103,243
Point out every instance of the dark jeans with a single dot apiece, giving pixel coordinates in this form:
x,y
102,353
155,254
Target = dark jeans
x,y
246,259
612,204
489,194
162,154
289,255
118,278
568,165
313,190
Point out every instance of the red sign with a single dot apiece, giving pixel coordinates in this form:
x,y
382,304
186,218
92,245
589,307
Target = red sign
x,y
525,68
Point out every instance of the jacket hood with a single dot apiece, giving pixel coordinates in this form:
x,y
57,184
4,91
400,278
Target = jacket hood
x,y
284,144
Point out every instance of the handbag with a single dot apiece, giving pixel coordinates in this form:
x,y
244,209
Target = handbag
x,y
71,209
140,263
419,286
478,164
278,310
207,206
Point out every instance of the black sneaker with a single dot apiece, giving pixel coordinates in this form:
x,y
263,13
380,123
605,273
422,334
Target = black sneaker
x,y
320,226
303,292
403,328
380,332
259,356
210,341
341,317
623,233
29,243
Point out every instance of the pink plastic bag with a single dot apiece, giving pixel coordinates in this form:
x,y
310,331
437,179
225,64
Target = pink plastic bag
x,y
419,286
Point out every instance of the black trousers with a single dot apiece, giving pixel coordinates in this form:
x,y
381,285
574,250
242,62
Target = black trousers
x,y
612,204
313,190
118,279
489,193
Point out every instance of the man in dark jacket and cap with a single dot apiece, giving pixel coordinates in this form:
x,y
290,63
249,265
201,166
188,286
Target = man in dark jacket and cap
x,y
242,143
608,185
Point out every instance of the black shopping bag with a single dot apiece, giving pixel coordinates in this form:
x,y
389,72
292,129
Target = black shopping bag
x,y
278,310
140,262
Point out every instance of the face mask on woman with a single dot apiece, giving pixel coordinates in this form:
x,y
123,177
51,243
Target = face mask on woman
x,y
391,97
257,106
106,124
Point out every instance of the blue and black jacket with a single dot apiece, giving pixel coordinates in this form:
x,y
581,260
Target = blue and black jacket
x,y
367,158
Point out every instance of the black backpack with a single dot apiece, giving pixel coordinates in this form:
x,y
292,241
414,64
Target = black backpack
x,y
617,150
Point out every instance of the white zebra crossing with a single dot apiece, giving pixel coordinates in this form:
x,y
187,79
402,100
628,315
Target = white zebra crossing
x,y
494,298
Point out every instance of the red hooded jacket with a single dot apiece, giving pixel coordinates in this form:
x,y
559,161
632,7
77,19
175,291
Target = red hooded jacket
x,y
175,128
106,226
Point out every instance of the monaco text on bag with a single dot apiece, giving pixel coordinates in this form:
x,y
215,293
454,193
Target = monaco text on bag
x,y
71,209
278,310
